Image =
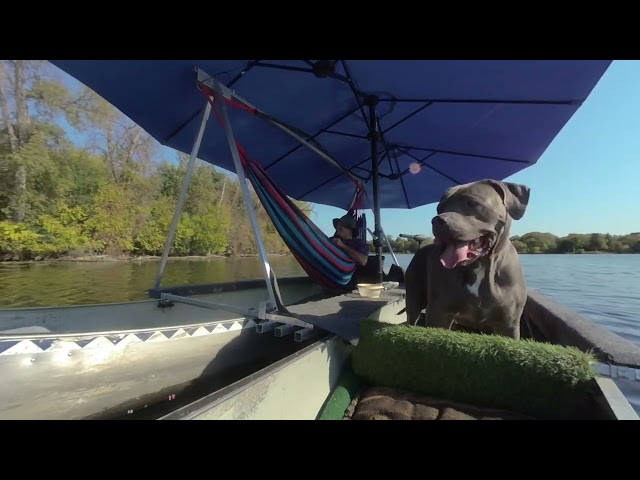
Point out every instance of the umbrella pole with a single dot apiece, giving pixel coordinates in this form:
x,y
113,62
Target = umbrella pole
x,y
266,267
372,102
183,195
386,240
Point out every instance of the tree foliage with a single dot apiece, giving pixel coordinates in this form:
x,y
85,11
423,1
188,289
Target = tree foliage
x,y
79,178
538,242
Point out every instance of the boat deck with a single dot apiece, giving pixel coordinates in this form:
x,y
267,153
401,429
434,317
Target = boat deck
x,y
341,314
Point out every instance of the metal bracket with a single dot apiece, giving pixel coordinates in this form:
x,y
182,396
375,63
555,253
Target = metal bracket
x,y
284,330
275,317
288,320
305,334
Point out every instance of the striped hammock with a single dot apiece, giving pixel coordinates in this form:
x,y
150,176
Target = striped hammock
x,y
323,261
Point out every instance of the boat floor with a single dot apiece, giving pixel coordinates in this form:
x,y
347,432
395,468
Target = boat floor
x,y
384,403
341,314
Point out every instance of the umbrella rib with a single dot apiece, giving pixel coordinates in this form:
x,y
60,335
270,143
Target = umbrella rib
x,y
249,66
384,144
462,154
404,149
180,127
301,69
382,132
319,132
427,103
368,159
415,112
347,79
285,67
387,155
357,165
379,163
570,102
320,186
356,94
404,188
386,147
345,134
339,175
176,131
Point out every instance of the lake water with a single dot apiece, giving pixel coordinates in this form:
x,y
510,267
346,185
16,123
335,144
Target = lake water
x,y
604,288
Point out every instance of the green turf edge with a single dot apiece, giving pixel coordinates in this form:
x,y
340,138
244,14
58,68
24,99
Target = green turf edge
x,y
347,388
539,379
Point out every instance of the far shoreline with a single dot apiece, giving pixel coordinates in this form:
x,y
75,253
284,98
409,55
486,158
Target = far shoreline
x,y
132,258
149,258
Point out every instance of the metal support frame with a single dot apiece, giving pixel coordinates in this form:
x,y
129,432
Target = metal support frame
x,y
265,310
260,313
247,312
183,195
266,267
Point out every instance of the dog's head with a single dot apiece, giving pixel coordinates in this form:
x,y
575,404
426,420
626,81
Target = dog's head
x,y
473,218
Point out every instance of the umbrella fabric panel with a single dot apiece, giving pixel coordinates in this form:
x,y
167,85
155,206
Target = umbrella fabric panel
x,y
469,121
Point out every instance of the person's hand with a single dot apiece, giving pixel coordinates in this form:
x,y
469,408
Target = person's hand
x,y
337,242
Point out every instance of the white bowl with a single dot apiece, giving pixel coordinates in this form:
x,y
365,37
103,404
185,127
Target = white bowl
x,y
370,290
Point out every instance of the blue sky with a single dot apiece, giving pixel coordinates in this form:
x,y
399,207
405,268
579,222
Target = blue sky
x,y
588,180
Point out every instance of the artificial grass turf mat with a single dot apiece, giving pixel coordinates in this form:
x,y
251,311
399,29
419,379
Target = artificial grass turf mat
x,y
533,378
346,390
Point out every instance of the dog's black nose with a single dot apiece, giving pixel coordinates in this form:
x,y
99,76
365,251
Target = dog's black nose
x,y
438,221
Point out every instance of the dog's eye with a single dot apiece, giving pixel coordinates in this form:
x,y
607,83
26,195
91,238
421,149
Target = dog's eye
x,y
472,203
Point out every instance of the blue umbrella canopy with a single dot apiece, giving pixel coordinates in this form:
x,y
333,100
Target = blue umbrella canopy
x,y
440,122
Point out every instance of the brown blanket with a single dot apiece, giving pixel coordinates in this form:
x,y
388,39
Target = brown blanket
x,y
382,403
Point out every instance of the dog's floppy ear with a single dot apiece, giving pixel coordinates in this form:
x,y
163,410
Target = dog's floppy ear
x,y
515,197
450,191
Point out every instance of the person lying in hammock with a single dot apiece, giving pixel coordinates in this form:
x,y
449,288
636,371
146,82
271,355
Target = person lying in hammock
x,y
345,238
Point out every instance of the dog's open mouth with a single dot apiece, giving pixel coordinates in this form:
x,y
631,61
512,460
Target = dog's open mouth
x,y
459,253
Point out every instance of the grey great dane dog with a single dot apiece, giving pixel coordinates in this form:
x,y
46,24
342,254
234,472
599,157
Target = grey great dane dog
x,y
471,274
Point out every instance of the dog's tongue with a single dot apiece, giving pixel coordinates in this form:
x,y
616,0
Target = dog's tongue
x,y
455,253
